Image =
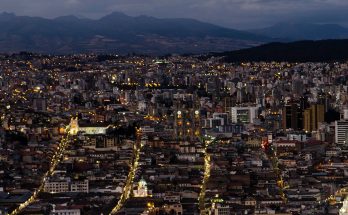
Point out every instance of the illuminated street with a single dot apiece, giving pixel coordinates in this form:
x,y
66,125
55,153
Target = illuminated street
x,y
204,182
206,176
275,163
53,164
130,178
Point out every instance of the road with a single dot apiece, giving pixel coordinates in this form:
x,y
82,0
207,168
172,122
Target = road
x,y
63,144
206,174
130,179
273,157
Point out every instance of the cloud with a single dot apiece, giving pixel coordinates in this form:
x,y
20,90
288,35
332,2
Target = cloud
x,y
231,13
72,2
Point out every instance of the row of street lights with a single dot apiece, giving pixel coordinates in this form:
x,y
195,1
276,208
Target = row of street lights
x,y
207,140
53,164
130,179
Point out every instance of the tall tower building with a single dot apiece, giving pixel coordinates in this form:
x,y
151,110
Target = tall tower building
x,y
187,117
341,132
39,104
74,126
292,117
341,129
187,124
312,116
142,190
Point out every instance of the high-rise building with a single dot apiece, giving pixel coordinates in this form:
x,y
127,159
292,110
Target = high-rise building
x,y
341,132
39,104
341,129
187,124
292,117
228,103
312,116
187,117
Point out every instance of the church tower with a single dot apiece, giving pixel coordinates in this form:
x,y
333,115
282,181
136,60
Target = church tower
x,y
141,191
74,126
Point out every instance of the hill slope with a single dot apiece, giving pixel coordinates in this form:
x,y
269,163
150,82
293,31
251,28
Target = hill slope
x,y
302,51
120,33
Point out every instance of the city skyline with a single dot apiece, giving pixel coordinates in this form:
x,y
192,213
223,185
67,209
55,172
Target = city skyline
x,y
92,134
184,107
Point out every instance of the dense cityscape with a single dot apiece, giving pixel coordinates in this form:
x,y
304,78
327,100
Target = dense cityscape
x,y
108,134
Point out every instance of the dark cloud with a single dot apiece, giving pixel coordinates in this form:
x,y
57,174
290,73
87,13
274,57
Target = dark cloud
x,y
232,13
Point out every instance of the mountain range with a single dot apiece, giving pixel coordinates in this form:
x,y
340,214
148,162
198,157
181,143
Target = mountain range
x,y
292,31
123,34
119,33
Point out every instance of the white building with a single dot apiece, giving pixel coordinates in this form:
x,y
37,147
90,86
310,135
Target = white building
x,y
341,132
220,209
213,123
298,137
57,186
244,114
63,210
64,184
176,208
87,129
223,116
147,129
79,186
344,208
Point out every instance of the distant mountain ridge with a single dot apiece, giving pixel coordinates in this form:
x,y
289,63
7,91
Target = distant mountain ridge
x,y
301,51
303,31
119,33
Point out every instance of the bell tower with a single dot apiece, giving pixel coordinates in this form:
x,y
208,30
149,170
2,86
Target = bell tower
x,y
74,126
142,190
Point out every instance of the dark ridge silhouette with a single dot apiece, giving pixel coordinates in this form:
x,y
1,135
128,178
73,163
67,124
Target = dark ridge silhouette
x,y
118,33
301,51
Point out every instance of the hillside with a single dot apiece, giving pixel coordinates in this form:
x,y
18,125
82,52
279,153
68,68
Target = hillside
x,y
118,33
302,51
